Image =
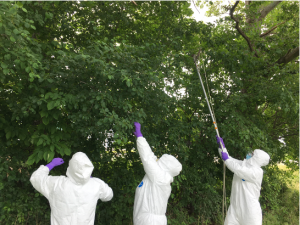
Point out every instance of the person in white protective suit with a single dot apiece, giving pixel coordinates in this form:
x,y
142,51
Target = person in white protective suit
x,y
152,194
72,199
244,206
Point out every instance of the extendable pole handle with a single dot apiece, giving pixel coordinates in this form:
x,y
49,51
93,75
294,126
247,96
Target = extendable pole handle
x,y
211,114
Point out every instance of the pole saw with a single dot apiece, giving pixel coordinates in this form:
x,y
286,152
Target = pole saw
x,y
217,131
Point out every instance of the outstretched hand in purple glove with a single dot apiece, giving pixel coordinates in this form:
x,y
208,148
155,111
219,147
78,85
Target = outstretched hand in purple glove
x,y
224,156
137,131
220,140
55,162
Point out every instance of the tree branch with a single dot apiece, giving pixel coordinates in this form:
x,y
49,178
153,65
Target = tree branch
x,y
133,2
239,29
287,135
196,7
289,56
269,31
268,9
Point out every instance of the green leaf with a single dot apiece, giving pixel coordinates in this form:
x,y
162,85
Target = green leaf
x,y
50,156
12,39
51,105
8,135
15,31
44,114
46,120
22,135
128,83
52,129
25,10
52,148
41,140
6,71
31,159
33,27
49,94
55,115
19,4
7,57
28,69
46,155
3,65
67,151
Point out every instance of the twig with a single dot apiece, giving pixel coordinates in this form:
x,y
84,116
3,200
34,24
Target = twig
x,y
239,29
196,6
273,28
133,2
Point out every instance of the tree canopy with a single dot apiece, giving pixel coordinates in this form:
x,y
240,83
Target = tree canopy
x,y
76,75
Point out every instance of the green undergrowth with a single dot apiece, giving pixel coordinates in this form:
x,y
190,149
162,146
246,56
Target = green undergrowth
x,y
279,201
182,217
288,211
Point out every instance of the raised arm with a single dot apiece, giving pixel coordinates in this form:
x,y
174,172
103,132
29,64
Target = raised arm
x,y
40,179
148,158
221,142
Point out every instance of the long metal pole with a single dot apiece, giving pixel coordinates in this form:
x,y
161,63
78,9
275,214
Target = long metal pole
x,y
211,114
216,128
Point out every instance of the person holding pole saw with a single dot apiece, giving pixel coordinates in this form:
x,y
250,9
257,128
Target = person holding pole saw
x,y
244,206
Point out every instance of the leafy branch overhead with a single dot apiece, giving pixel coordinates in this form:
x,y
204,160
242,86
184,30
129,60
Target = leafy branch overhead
x,y
254,20
75,75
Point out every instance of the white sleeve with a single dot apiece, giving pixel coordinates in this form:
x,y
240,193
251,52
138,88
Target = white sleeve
x,y
42,182
251,174
105,192
148,158
229,157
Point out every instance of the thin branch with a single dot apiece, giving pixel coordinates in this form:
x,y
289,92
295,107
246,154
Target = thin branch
x,y
274,124
133,2
289,56
295,134
196,7
269,31
268,9
239,29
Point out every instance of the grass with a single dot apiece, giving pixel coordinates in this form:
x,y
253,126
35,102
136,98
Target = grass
x,y
288,213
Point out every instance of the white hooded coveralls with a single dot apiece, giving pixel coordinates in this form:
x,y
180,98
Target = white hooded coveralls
x,y
152,194
72,199
244,206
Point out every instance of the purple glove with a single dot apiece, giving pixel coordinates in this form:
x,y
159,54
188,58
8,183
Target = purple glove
x,y
137,132
55,162
224,156
219,139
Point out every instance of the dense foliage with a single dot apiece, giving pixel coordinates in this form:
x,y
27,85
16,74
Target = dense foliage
x,y
76,75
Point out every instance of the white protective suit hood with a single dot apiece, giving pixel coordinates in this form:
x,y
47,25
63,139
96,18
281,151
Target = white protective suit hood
x,y
80,168
260,158
170,164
